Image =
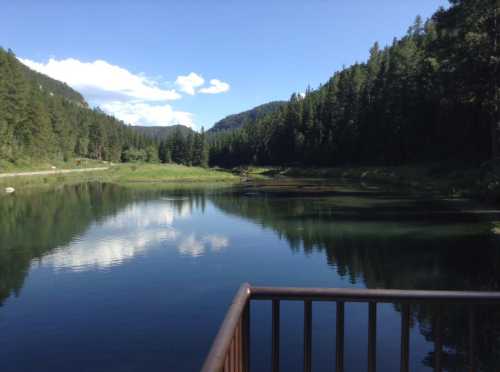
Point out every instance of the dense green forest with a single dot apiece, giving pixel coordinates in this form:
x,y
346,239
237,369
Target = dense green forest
x,y
432,95
190,149
42,118
177,144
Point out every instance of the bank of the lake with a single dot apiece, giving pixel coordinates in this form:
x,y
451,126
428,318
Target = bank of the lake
x,y
481,183
123,174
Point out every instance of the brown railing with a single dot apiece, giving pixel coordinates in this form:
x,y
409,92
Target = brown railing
x,y
230,351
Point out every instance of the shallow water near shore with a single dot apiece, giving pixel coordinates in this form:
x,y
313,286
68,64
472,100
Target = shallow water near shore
x,y
98,277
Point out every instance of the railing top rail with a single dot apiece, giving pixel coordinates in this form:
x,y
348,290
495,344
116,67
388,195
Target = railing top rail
x,y
217,355
373,295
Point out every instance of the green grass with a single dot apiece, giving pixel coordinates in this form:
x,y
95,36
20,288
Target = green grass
x,y
28,165
126,174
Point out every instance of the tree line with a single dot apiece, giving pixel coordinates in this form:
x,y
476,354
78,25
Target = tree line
x,y
188,150
432,95
41,118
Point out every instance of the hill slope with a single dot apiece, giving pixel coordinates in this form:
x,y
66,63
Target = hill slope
x,y
42,118
237,121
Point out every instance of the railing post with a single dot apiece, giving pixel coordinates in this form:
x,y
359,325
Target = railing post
x,y
472,339
372,337
307,335
339,344
246,338
276,336
405,338
438,342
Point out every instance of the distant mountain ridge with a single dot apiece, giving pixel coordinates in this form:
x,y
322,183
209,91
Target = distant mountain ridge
x,y
237,121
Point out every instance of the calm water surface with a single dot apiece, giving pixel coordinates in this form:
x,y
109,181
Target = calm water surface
x,y
96,277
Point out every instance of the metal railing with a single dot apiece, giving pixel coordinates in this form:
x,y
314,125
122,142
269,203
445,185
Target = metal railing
x,y
230,351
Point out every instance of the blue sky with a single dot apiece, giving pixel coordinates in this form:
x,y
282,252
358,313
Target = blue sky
x,y
256,50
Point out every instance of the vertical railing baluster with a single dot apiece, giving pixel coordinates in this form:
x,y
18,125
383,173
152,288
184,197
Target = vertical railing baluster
x,y
235,361
438,342
339,344
246,338
231,356
238,348
276,336
405,338
372,337
307,335
472,339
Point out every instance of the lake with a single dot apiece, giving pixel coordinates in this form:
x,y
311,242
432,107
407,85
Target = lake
x,y
98,277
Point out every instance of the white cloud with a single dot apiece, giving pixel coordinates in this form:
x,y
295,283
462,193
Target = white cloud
x,y
144,113
131,97
216,87
189,83
101,79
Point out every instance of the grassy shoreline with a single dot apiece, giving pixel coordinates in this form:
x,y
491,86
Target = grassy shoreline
x,y
473,183
124,174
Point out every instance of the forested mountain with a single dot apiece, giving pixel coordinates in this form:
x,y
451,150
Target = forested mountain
x,y
162,133
432,95
41,118
249,117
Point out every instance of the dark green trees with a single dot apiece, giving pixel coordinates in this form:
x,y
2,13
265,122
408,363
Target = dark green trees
x,y
432,95
43,119
188,150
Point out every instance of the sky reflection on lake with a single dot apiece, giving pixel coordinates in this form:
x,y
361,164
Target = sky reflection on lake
x,y
133,231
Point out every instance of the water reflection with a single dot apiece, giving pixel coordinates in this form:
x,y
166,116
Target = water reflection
x,y
131,232
393,243
373,240
191,246
91,226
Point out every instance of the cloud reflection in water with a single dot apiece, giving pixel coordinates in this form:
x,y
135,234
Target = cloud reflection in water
x,y
132,232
